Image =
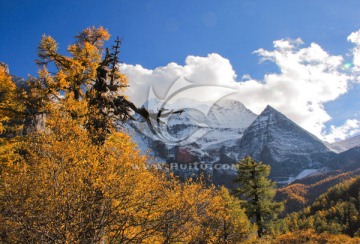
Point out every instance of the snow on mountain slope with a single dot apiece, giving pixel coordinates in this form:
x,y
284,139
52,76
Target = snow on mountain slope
x,y
347,144
226,120
303,174
229,132
276,140
230,113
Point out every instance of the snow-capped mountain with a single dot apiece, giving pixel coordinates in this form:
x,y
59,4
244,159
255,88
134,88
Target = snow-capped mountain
x,y
227,120
202,125
276,140
344,145
230,113
224,133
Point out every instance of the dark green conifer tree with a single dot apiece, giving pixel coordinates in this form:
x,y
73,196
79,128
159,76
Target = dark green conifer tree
x,y
257,193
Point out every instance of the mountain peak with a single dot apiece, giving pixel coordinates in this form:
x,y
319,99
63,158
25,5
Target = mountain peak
x,y
229,102
270,109
231,113
278,141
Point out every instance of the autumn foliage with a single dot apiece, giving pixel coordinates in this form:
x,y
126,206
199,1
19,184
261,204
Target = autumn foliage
x,y
311,237
76,179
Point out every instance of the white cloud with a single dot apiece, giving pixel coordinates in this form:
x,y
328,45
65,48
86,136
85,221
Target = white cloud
x,y
355,38
349,128
309,77
212,70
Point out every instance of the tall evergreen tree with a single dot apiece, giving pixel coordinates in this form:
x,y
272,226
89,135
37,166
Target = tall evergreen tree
x,y
257,193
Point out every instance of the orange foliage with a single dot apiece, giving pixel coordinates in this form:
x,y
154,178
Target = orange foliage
x,y
310,236
59,186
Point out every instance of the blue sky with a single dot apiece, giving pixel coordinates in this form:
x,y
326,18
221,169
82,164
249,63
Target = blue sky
x,y
156,33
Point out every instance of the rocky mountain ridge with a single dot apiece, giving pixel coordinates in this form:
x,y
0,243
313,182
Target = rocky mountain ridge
x,y
341,146
228,132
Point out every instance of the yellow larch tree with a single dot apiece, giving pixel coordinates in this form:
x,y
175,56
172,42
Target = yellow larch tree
x,y
225,221
67,189
11,115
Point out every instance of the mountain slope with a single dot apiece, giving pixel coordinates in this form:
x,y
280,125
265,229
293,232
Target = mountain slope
x,y
337,211
347,160
230,113
229,132
224,121
347,144
276,140
302,193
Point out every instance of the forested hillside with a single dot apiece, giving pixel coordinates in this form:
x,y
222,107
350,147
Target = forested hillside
x,y
337,211
304,192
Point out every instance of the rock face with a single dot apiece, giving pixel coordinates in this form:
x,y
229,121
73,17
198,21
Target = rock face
x,y
276,140
19,81
35,123
5,66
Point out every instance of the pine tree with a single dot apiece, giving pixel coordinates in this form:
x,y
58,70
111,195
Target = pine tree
x,y
257,191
